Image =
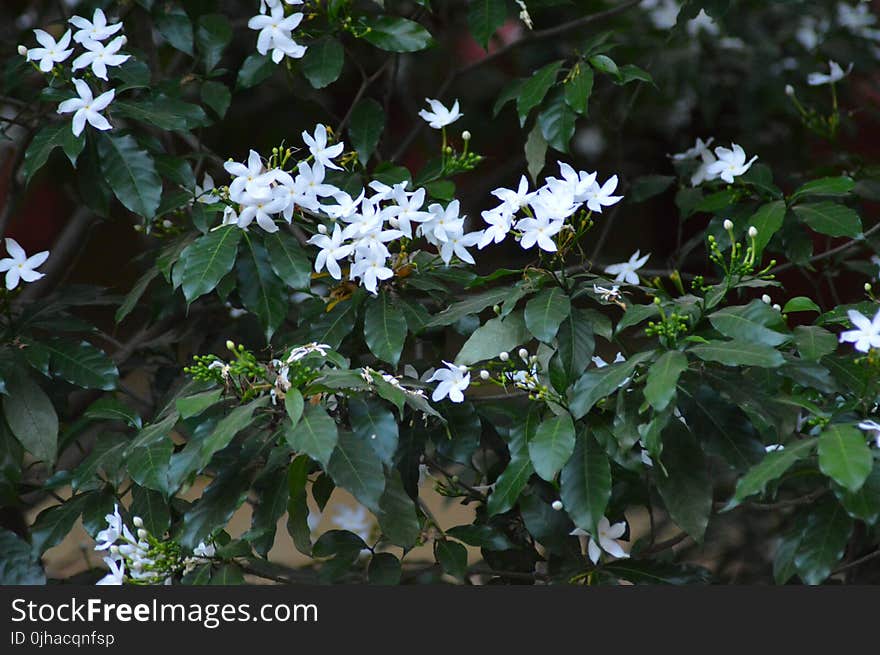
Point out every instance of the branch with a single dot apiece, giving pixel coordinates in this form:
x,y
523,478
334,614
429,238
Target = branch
x,y
830,253
858,562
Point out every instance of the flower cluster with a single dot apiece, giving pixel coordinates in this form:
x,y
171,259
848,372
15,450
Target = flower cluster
x,y
724,164
18,266
100,53
275,30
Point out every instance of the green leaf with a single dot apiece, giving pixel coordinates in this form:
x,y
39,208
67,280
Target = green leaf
x,y
397,34
237,420
194,405
576,344
452,557
384,328
605,64
481,536
177,29
212,36
686,488
495,336
471,305
397,514
772,467
830,218
844,456
535,88
663,379
814,342
297,506
545,312
552,445
152,508
288,259
863,504
207,260
373,423
134,296
56,522
51,136
148,464
164,112
255,69
217,96
131,174
800,304
82,364
823,542
654,572
752,323
648,186
365,129
827,186
111,409
484,17
323,62
260,289
738,353
19,564
536,152
557,122
294,405
513,479
578,87
214,509
384,569
31,416
767,220
596,384
315,435
585,484
355,467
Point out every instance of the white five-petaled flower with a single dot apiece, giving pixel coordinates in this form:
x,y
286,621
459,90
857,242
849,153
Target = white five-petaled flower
x,y
439,116
457,243
116,576
371,269
332,250
626,271
697,150
317,145
598,197
866,334
205,192
835,74
453,381
99,56
53,52
731,163
539,230
275,34
19,266
607,540
87,108
874,428
96,29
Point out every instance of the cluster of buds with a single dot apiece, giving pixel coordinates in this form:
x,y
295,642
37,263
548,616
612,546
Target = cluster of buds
x,y
742,261
454,162
525,376
669,327
293,371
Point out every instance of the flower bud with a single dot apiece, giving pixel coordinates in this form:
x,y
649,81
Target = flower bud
x,y
868,287
124,39
322,229
142,534
523,354
728,224
753,231
167,224
230,345
778,308
22,50
766,299
557,505
466,136
496,309
138,522
504,356
484,374
789,90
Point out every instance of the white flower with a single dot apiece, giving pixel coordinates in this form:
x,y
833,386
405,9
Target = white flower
x,y
370,270
115,528
355,520
698,150
874,428
835,74
261,208
332,250
515,200
345,205
19,266
500,222
204,550
855,18
275,34
453,382
116,576
408,209
99,56
300,352
439,116
457,243
249,178
867,332
443,222
773,447
598,197
608,535
317,145
601,363
87,108
539,230
607,295
205,192
626,271
53,52
701,173
731,163
95,30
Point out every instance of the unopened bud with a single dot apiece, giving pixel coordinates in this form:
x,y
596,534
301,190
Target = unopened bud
x,y
124,39
753,231
557,505
484,374
138,522
533,359
466,135
766,299
322,229
22,50
496,309
778,308
167,224
503,356
142,534
789,90
868,287
138,227
728,224
523,354
230,345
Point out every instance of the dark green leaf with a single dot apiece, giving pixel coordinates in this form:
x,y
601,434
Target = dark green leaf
x,y
384,328
262,292
495,336
585,484
397,34
31,416
552,445
355,467
323,62
288,259
315,435
686,488
131,174
207,260
365,129
535,88
830,218
739,353
663,379
212,36
844,456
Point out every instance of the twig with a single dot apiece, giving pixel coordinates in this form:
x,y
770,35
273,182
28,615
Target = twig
x,y
830,253
858,562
